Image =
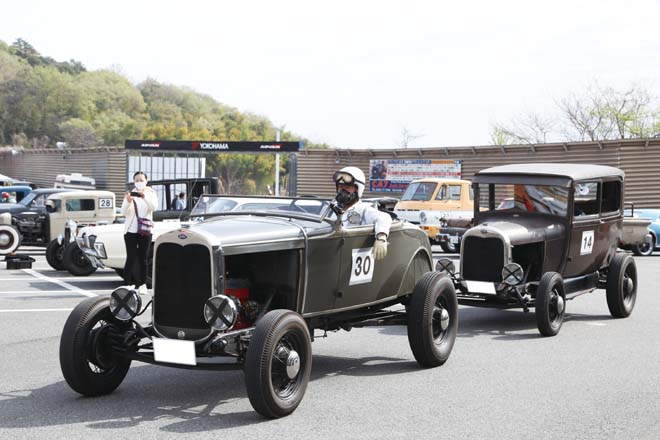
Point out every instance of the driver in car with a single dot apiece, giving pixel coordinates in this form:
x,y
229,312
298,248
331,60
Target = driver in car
x,y
349,182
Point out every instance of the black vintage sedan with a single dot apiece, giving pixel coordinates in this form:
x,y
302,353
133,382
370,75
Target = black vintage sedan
x,y
554,240
248,290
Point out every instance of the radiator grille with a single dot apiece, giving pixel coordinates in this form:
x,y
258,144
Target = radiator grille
x,y
182,285
483,259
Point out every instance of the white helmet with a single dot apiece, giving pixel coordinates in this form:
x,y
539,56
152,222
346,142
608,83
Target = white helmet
x,y
351,176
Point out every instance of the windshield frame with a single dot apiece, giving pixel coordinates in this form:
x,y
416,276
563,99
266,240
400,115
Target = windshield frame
x,y
324,215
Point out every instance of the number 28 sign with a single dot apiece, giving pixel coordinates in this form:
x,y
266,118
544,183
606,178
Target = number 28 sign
x,y
362,270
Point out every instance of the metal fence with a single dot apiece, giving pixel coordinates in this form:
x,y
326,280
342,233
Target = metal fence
x,y
639,158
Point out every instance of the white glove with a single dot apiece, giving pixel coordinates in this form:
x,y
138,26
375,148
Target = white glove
x,y
380,248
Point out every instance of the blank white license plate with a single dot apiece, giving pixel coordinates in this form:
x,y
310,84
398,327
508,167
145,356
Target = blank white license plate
x,y
174,351
481,287
453,239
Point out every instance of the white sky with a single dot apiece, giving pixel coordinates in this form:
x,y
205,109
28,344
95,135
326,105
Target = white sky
x,y
354,73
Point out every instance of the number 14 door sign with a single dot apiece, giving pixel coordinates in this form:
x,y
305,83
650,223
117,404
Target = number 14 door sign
x,y
362,270
587,244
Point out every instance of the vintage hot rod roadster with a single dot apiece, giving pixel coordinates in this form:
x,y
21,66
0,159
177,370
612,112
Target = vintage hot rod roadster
x,y
247,290
555,240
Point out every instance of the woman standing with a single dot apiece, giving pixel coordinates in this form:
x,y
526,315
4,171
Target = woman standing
x,y
138,204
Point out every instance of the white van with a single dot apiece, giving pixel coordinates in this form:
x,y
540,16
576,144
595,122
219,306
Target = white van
x,y
74,181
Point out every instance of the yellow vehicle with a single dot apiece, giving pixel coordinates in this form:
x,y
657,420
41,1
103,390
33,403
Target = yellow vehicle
x,y
431,203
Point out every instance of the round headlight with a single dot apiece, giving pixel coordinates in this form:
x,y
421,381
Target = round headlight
x,y
125,303
220,312
512,274
445,265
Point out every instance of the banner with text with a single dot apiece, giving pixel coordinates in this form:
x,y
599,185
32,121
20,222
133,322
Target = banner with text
x,y
394,175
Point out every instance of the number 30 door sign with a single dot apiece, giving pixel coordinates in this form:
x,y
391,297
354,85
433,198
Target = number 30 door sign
x,y
362,270
587,244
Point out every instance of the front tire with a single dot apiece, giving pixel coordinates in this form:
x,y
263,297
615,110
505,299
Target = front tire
x,y
621,287
450,248
278,363
433,319
88,365
55,255
550,304
76,262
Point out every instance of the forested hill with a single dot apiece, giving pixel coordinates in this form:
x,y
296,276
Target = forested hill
x,y
43,101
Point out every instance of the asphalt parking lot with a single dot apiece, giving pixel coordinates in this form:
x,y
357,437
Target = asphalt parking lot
x,y
598,379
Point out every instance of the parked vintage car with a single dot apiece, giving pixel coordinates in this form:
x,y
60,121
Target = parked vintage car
x,y
247,290
431,203
558,241
651,218
104,245
15,193
12,214
66,212
165,190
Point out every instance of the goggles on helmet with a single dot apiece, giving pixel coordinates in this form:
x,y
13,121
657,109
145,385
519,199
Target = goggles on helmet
x,y
345,178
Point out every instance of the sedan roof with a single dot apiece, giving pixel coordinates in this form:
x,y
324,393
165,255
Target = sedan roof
x,y
570,171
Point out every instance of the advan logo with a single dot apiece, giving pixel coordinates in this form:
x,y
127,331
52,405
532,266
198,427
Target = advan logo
x,y
270,147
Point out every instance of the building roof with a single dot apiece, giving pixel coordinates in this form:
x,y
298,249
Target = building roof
x,y
572,171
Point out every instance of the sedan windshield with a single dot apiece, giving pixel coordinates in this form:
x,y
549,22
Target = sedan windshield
x,y
542,199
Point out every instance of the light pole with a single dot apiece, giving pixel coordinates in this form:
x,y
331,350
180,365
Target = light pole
x,y
277,167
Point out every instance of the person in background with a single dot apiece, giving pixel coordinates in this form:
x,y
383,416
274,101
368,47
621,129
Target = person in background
x,y
144,199
180,202
5,197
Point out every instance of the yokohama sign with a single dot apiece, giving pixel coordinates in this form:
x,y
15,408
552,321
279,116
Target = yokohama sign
x,y
213,146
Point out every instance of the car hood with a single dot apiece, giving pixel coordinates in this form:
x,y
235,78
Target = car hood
x,y
527,230
12,207
232,231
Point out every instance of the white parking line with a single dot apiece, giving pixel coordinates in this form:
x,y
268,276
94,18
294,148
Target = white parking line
x,y
33,310
29,292
76,279
68,286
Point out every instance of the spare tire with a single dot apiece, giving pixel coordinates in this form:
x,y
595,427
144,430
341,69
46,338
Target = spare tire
x,y
10,239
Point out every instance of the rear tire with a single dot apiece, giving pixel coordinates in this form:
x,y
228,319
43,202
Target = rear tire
x,y
280,346
644,250
87,363
10,239
550,304
76,262
55,255
433,319
621,287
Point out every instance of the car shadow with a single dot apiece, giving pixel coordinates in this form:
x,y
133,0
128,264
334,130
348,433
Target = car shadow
x,y
193,400
508,324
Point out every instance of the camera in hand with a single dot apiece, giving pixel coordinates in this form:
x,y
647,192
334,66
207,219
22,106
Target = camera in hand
x,y
135,194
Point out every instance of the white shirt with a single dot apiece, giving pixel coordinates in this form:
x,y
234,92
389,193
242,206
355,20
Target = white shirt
x,y
146,206
365,214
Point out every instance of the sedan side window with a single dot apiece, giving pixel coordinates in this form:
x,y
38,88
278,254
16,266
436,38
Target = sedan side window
x,y
611,196
80,205
586,199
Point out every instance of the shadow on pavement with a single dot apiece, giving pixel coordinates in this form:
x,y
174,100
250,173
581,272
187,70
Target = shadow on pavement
x,y
192,399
